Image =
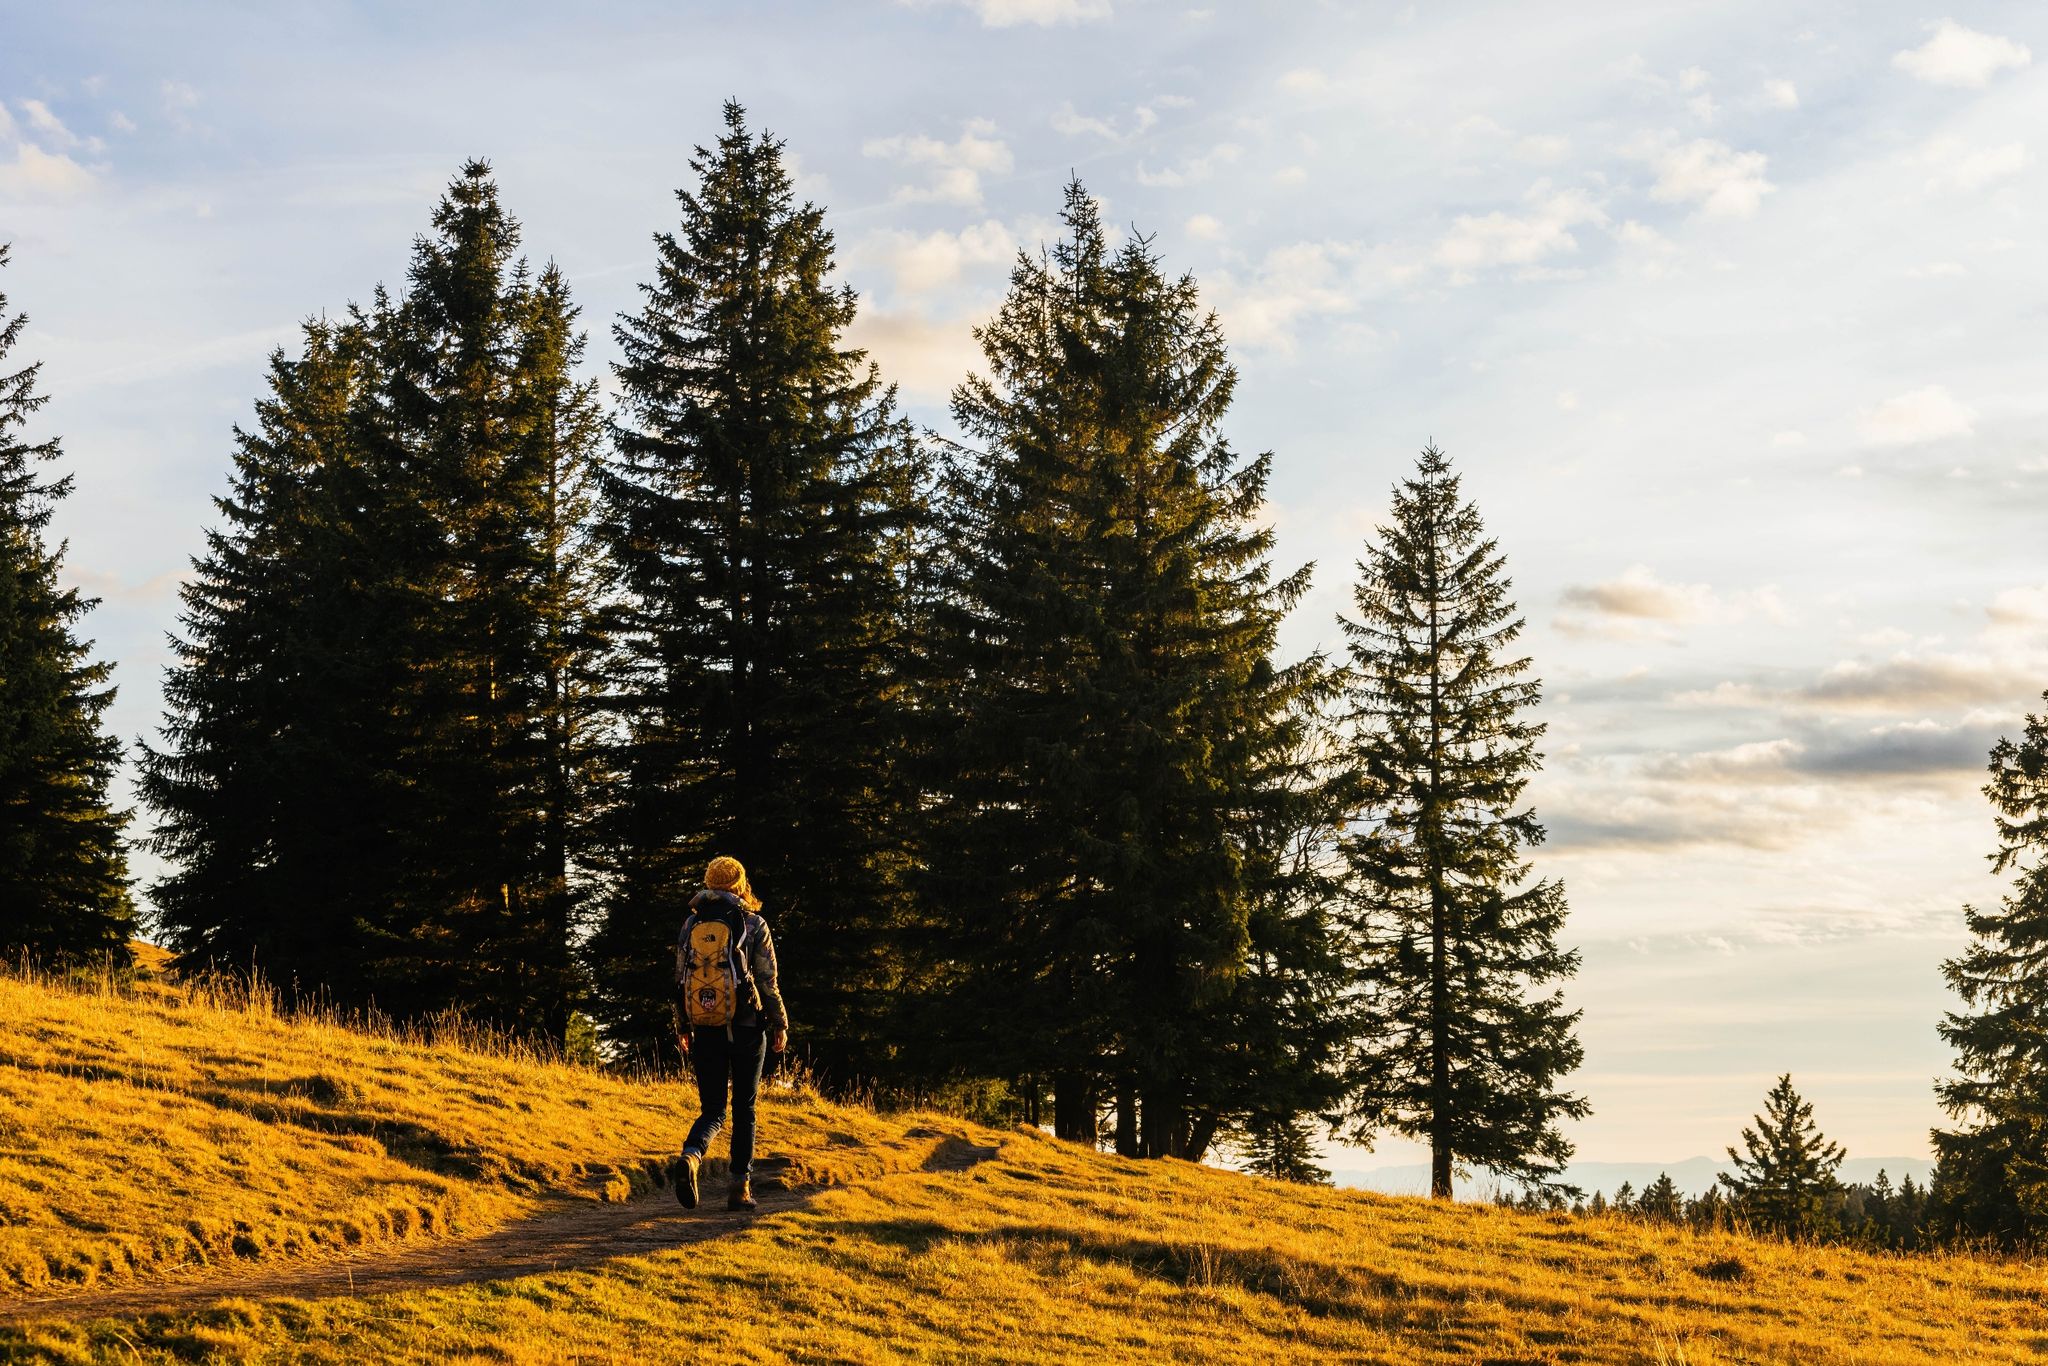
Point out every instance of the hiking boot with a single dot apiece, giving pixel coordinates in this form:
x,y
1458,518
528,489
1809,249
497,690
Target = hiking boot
x,y
685,1176
740,1196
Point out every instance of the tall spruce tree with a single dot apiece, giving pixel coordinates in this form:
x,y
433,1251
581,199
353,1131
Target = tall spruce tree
x,y
63,869
1786,1168
268,786
366,785
1467,1038
763,507
1105,620
1992,1177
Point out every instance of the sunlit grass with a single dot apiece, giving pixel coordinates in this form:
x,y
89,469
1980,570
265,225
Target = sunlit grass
x,y
118,1135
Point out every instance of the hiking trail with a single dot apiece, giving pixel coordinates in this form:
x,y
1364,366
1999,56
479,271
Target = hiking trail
x,y
566,1234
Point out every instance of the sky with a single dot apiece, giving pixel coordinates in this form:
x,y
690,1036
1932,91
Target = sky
x,y
1728,313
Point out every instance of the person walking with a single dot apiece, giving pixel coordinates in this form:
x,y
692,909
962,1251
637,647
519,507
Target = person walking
x,y
732,1014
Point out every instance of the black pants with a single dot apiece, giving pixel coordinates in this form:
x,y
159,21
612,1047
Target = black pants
x,y
718,1061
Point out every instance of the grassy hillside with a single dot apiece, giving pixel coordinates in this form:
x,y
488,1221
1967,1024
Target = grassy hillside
x,y
163,1140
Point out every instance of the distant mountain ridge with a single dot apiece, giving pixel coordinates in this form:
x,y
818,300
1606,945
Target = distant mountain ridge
x,y
1692,1175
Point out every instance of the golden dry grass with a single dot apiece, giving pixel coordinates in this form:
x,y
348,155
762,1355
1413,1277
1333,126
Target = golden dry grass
x,y
1043,1253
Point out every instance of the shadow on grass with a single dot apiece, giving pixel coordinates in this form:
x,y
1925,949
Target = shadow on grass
x,y
558,1239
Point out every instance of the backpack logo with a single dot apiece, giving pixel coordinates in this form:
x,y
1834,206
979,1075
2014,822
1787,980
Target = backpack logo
x,y
715,980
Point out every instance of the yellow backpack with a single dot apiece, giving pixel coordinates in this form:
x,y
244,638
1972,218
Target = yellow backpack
x,y
713,969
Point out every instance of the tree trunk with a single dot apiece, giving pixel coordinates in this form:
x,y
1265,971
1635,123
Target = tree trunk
x,y
1127,1116
1073,1108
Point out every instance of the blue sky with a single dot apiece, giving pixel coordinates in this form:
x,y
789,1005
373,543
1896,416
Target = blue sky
x,y
1730,314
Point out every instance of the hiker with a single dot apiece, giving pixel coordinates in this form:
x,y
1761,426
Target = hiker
x,y
733,1014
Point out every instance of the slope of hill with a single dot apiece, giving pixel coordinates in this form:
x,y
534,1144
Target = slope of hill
x,y
186,1178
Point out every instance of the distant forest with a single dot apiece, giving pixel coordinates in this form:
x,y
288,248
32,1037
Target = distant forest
x,y
478,670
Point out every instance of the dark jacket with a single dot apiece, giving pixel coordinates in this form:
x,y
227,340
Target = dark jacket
x,y
760,945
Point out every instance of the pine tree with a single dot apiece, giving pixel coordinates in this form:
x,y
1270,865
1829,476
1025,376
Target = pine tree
x,y
763,507
1468,1037
63,868
1660,1200
267,788
1121,745
1993,1167
365,782
1787,1166
1284,1148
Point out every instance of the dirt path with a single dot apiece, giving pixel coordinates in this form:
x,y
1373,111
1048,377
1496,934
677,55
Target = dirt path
x,y
570,1235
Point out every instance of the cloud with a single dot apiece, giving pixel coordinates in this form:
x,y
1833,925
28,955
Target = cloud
x,y
1074,123
1913,682
1902,750
955,168
43,121
2023,607
1290,285
1963,57
1725,183
1010,13
1781,94
179,100
923,356
1966,168
1069,121
120,122
1193,170
1304,81
1638,605
1477,242
1927,414
36,174
1635,812
1204,228
926,264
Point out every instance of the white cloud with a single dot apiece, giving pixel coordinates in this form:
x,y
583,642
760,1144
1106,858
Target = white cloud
x,y
1703,108
1291,175
1304,81
924,356
1478,241
1567,400
1290,285
2025,607
1638,605
1957,167
1725,183
924,265
1010,13
120,122
36,174
43,121
1958,56
1787,440
1067,120
1781,94
955,168
1204,228
1193,170
1544,149
1926,414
